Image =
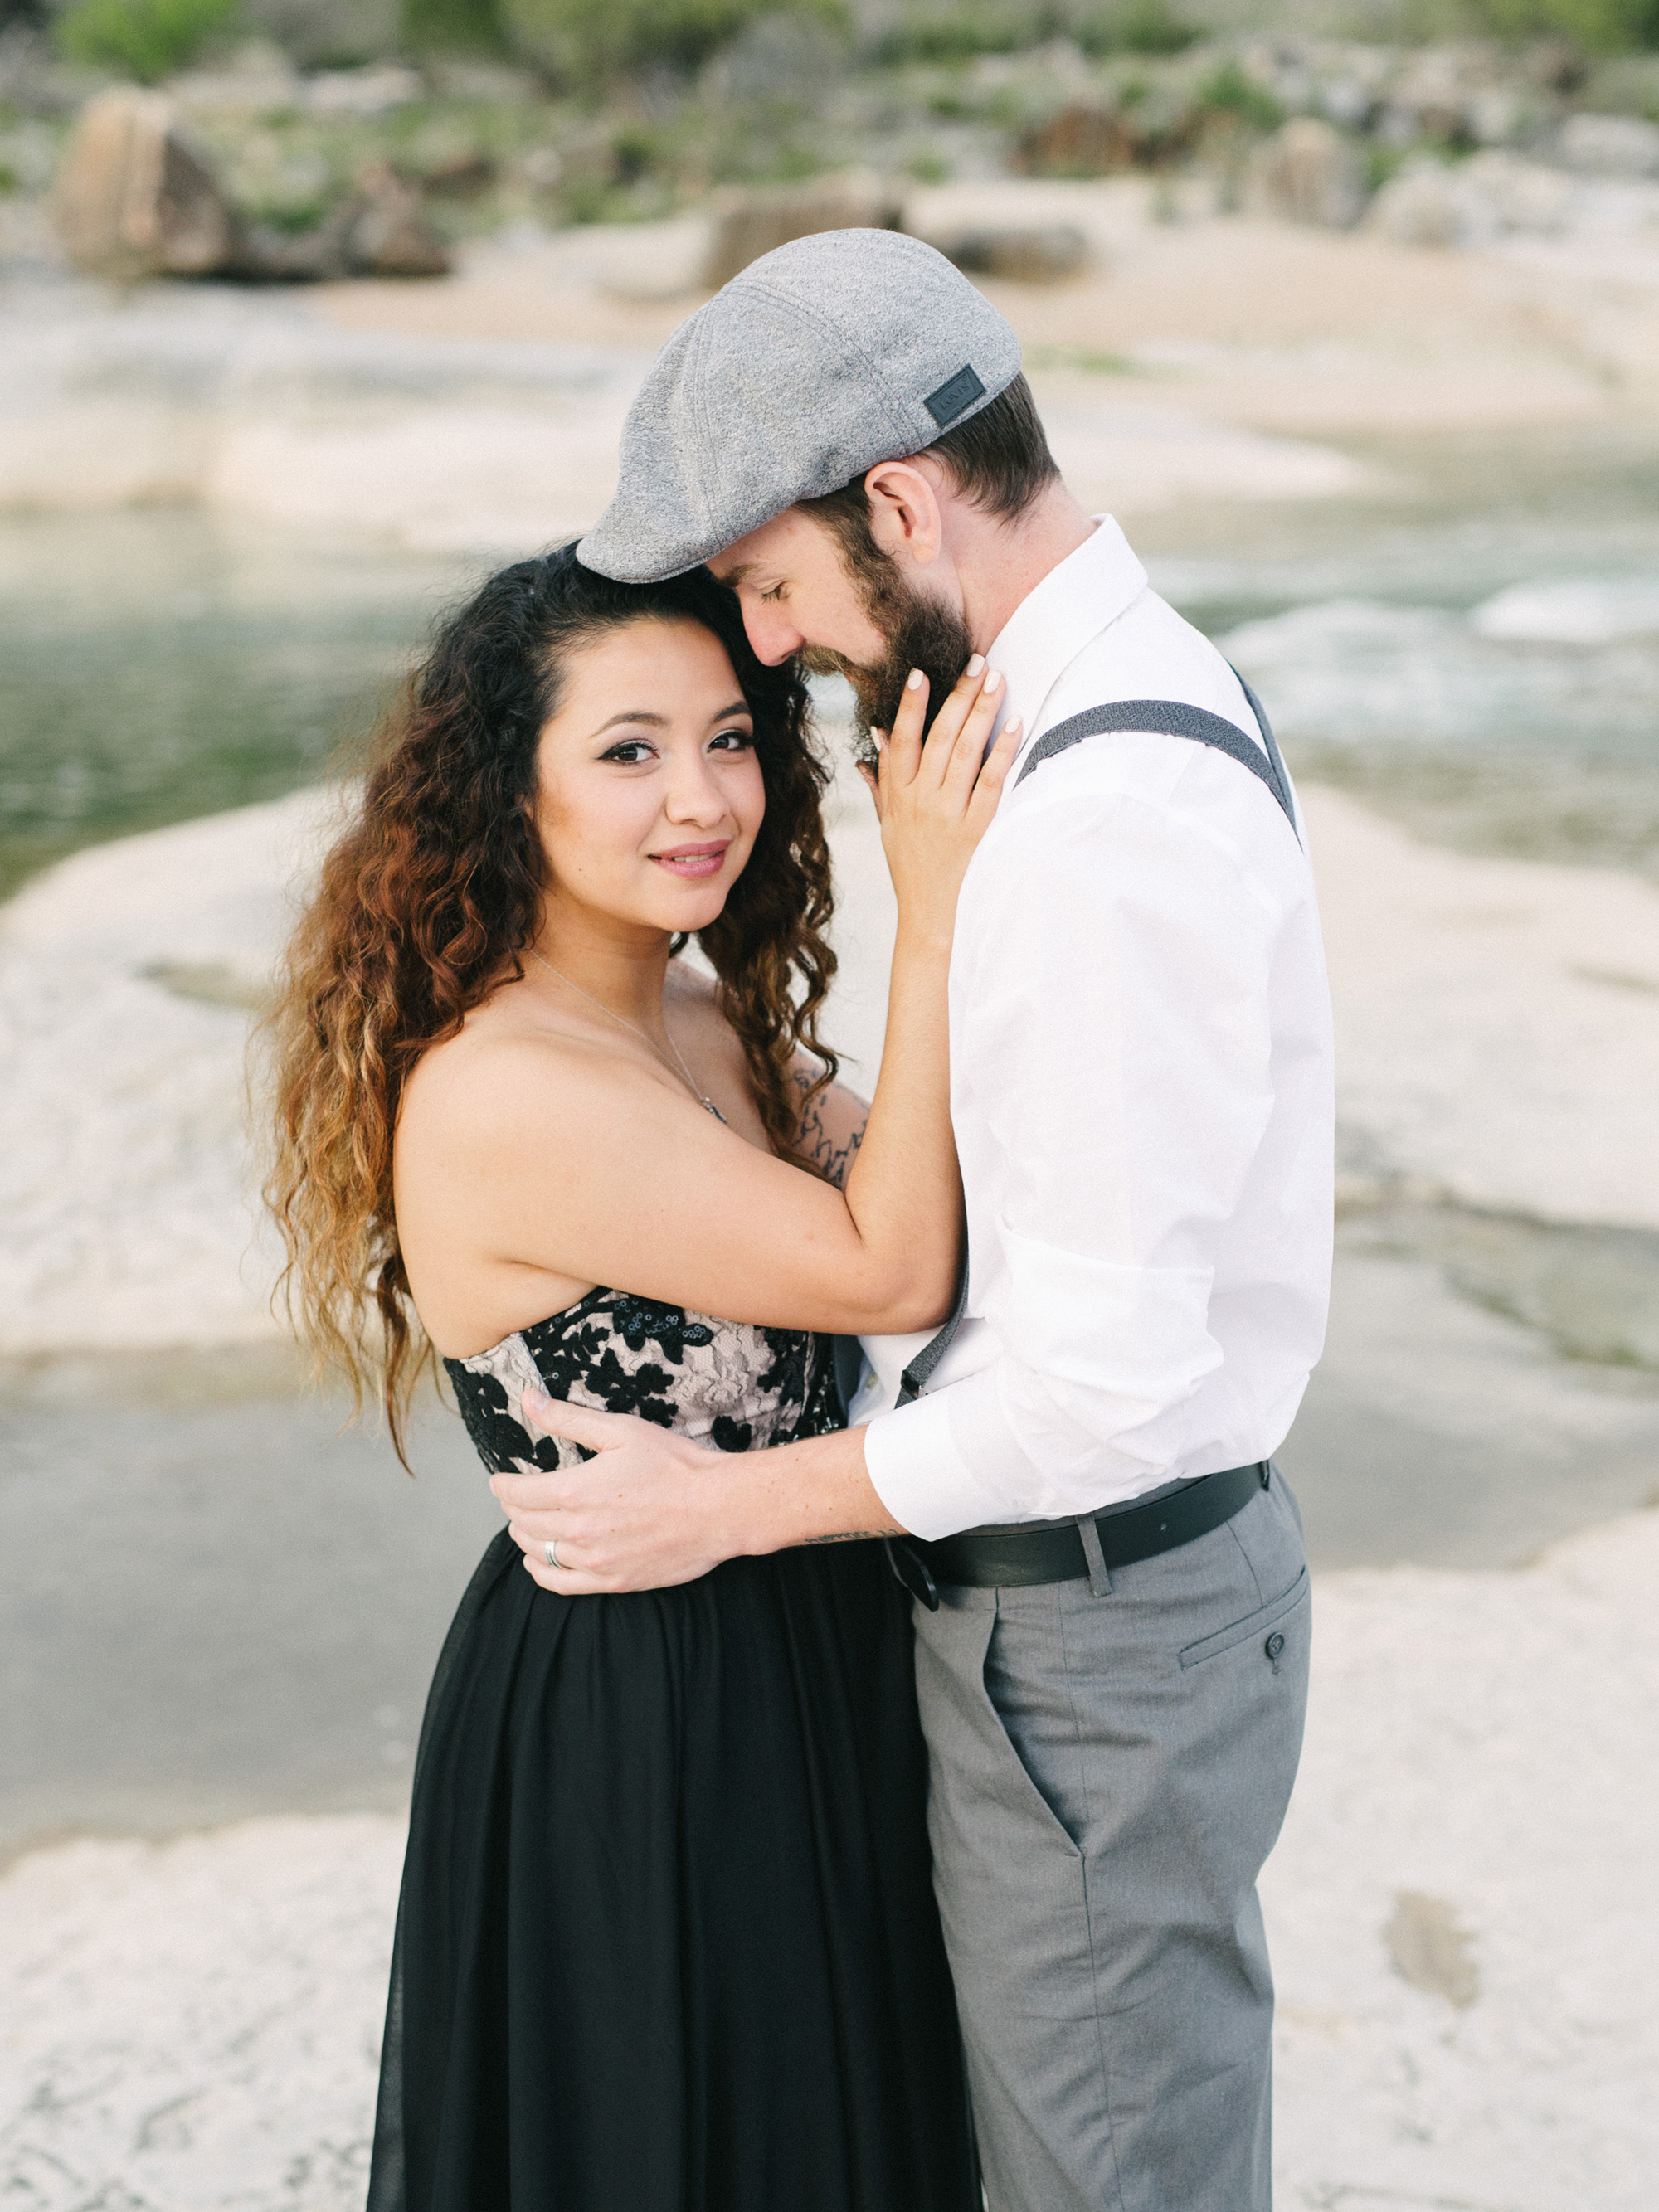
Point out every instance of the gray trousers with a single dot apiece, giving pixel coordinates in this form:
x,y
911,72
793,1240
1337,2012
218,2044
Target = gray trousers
x,y
1109,1767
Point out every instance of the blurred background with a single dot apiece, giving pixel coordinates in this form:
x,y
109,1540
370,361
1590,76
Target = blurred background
x,y
312,312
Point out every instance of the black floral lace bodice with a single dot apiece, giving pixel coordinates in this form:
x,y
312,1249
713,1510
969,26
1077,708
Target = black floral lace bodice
x,y
725,1382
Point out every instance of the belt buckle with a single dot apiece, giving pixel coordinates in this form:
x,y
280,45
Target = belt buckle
x,y
912,1572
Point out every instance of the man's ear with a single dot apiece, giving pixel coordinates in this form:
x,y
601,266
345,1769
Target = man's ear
x,y
905,518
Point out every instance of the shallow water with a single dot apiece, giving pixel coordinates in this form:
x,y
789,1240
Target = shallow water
x,y
158,664
1475,648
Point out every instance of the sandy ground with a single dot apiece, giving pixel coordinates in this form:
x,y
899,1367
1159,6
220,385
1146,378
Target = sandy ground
x,y
1248,322
1460,1912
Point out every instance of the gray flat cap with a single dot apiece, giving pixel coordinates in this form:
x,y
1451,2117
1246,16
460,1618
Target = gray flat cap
x,y
821,359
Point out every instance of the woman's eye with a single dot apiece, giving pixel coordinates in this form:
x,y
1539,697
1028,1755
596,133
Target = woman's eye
x,y
630,751
734,741
773,594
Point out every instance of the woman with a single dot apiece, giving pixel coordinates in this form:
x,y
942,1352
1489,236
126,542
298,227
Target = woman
x,y
667,1937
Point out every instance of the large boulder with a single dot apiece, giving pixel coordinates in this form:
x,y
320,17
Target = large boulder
x,y
1031,253
1422,205
1308,172
133,200
1609,146
385,234
748,224
1474,203
1085,139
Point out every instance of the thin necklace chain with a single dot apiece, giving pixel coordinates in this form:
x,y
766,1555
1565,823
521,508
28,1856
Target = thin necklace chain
x,y
701,1096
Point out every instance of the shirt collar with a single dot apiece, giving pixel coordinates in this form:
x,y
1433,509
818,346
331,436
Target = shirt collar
x,y
1052,625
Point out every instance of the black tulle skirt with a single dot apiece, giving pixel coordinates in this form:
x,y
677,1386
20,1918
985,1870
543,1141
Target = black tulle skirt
x,y
667,1940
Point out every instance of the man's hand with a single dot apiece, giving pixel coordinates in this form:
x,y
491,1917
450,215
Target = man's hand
x,y
637,1516
653,1509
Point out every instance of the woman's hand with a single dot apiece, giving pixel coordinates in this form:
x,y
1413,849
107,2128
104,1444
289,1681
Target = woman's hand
x,y
935,798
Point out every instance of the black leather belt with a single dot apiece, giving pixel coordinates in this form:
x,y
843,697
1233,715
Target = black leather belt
x,y
1018,1558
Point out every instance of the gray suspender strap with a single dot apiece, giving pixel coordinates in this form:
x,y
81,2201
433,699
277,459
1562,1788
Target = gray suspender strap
x,y
918,1375
1282,794
1173,718
1170,718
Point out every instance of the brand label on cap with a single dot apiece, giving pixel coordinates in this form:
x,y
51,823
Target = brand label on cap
x,y
954,397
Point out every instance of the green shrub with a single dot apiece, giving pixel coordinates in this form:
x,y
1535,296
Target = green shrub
x,y
452,27
148,39
1228,91
1141,27
960,37
1596,26
589,44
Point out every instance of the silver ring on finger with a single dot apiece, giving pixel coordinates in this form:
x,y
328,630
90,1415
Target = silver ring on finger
x,y
551,1553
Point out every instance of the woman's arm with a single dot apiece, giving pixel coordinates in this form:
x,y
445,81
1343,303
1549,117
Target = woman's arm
x,y
560,1161
832,1125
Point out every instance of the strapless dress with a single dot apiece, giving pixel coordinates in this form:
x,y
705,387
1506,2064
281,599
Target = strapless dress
x,y
667,1940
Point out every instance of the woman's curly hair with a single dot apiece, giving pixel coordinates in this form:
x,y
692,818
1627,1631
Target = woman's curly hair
x,y
428,902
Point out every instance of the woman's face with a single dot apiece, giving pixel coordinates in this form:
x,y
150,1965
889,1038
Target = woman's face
x,y
650,794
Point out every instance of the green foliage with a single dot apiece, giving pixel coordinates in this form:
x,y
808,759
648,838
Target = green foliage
x,y
148,39
1141,27
1595,26
1228,91
452,27
961,36
588,44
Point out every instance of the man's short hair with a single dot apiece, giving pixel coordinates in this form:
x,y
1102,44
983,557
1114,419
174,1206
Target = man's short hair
x,y
999,459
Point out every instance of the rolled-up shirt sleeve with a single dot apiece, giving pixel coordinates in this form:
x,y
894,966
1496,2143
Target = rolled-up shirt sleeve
x,y
1113,1078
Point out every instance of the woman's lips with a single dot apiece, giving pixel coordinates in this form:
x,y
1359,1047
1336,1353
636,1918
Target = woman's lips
x,y
693,861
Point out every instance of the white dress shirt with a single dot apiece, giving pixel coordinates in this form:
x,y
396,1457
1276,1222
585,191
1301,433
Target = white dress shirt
x,y
1142,1095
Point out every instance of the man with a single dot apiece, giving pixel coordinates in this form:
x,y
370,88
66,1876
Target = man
x,y
1112,1661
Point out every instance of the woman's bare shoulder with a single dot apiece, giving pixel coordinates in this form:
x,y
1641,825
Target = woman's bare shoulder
x,y
499,1071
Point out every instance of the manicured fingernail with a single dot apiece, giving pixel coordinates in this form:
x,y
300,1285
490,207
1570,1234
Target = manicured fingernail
x,y
992,681
913,681
976,663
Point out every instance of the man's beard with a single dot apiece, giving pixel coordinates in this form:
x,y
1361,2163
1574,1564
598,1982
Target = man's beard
x,y
919,633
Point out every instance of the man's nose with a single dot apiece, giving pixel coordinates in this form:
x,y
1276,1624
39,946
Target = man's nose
x,y
772,635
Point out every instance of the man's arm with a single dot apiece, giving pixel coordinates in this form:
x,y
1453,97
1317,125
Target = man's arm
x,y
651,1508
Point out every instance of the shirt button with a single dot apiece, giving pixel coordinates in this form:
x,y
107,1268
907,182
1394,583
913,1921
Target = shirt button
x,y
1274,1645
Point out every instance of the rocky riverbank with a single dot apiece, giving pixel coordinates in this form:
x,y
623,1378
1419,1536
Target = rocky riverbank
x,y
278,170
1464,1942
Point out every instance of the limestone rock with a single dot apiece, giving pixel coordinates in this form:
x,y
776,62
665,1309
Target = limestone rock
x,y
1086,140
133,200
748,224
1490,197
1519,195
1308,172
1609,146
1045,253
1421,206
385,234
